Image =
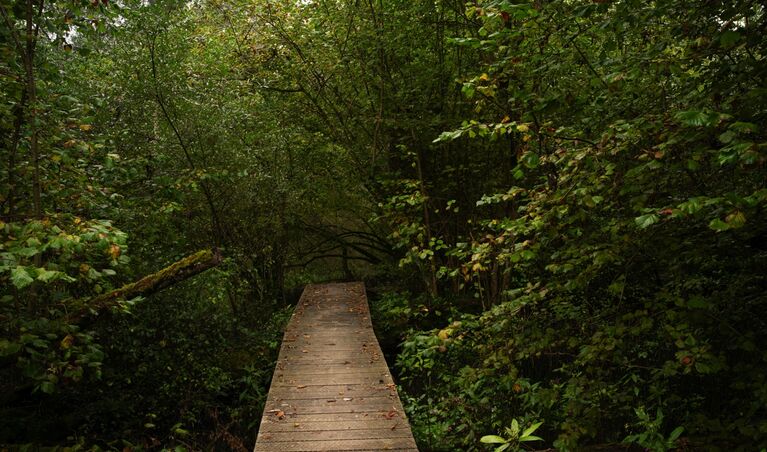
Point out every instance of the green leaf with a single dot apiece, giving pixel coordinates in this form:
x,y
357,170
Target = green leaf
x,y
718,225
675,434
530,430
531,159
514,427
9,348
693,118
27,252
697,302
727,137
729,38
691,206
530,438
646,220
468,90
492,439
744,127
20,278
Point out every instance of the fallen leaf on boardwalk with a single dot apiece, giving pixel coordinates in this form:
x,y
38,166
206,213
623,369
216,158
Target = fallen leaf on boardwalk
x,y
391,386
304,351
296,425
347,399
394,426
331,400
279,414
301,386
390,414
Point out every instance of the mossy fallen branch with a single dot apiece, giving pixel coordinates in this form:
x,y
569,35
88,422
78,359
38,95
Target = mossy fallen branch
x,y
150,284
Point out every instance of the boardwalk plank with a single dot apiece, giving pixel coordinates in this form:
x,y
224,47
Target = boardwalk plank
x,y
329,435
339,445
331,390
368,424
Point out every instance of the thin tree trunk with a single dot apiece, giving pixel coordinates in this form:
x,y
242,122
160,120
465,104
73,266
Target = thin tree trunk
x,y
29,67
18,123
432,276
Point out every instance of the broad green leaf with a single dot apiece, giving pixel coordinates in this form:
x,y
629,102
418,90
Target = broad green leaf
x,y
468,90
691,206
9,348
530,430
693,118
27,252
646,220
20,278
514,427
744,127
727,136
531,159
729,38
530,438
492,439
676,433
47,275
718,225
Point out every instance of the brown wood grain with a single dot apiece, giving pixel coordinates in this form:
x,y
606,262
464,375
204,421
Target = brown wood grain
x,y
331,389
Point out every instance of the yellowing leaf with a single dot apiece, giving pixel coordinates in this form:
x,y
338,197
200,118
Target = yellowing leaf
x,y
736,219
67,342
85,127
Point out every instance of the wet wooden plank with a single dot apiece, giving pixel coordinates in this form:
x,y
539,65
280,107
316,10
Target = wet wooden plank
x,y
330,435
367,424
331,390
353,444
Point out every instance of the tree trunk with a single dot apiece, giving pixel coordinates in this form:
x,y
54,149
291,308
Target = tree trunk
x,y
174,273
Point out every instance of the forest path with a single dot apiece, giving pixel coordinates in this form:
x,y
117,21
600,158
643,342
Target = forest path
x,y
331,389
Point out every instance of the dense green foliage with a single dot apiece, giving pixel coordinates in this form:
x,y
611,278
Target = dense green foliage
x,y
560,206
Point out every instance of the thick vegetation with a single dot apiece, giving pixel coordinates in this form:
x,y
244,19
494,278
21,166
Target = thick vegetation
x,y
560,207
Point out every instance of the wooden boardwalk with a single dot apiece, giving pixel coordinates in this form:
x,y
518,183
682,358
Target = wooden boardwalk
x,y
331,390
